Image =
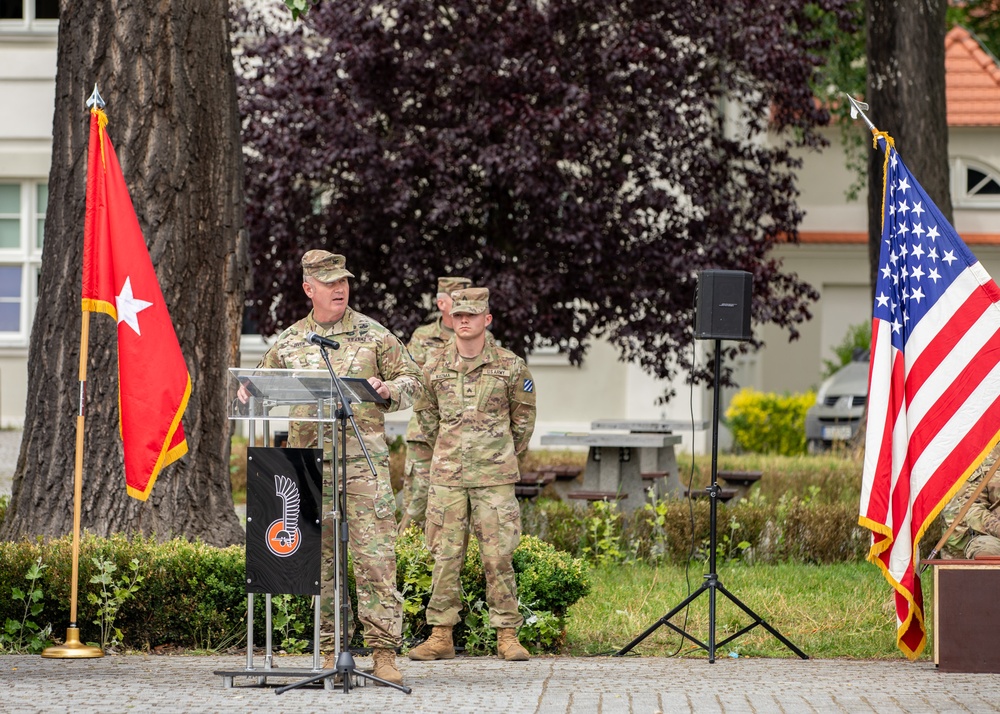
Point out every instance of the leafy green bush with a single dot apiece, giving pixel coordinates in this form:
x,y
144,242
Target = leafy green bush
x,y
769,423
548,582
25,636
193,595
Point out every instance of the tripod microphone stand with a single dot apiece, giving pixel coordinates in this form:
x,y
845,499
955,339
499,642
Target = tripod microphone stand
x,y
345,665
711,584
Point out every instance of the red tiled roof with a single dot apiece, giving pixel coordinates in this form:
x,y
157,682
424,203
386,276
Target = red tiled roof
x,y
972,81
859,238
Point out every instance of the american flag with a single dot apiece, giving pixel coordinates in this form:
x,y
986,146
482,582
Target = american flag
x,y
933,386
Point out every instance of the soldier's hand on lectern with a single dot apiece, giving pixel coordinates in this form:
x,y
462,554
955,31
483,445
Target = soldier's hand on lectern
x,y
243,394
379,386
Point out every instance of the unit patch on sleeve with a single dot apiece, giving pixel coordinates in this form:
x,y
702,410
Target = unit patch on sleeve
x,y
529,385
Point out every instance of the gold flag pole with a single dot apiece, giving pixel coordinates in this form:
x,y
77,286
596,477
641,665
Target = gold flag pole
x,y
72,647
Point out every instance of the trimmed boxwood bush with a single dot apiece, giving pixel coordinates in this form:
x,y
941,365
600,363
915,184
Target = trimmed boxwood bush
x,y
192,594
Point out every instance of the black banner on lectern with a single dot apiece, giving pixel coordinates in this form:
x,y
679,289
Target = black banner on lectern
x,y
284,504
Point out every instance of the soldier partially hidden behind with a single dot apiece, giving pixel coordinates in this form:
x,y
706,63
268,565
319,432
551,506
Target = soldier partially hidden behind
x,y
475,417
368,351
426,341
978,535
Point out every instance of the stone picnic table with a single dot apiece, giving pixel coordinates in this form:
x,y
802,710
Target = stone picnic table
x,y
626,458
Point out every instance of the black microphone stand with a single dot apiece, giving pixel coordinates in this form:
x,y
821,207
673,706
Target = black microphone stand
x,y
345,666
712,582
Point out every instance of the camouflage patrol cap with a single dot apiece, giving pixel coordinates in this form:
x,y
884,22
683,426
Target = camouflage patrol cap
x,y
325,266
470,301
450,283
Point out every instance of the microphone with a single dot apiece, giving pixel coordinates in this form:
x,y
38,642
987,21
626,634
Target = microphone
x,y
322,341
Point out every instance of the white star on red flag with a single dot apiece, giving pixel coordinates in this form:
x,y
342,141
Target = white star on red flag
x,y
129,307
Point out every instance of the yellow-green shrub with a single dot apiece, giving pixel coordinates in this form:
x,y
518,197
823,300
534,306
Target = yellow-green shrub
x,y
769,423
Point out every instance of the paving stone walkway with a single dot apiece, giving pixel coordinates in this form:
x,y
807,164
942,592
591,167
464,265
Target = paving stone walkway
x,y
483,684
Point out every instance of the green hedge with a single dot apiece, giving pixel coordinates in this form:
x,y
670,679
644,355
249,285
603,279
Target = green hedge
x,y
192,594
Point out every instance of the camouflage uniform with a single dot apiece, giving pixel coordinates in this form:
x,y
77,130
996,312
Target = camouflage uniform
x,y
367,349
428,339
979,532
425,341
475,418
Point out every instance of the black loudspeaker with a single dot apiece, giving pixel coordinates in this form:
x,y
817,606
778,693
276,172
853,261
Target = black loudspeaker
x,y
723,305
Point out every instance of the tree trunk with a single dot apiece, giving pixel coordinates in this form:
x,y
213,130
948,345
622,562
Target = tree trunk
x,y
166,72
906,94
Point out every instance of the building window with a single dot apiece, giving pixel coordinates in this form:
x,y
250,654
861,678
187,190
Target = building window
x,y
22,227
19,15
976,185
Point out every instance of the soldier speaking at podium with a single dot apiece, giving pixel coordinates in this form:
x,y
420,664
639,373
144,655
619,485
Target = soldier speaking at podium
x,y
368,351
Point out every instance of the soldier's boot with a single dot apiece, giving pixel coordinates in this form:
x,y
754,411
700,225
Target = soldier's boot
x,y
509,647
385,665
438,646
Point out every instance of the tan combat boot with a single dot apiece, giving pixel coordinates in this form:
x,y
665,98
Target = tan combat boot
x,y
385,665
509,647
438,646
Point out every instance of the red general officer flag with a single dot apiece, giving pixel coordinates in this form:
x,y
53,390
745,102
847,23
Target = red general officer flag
x,y
933,386
118,279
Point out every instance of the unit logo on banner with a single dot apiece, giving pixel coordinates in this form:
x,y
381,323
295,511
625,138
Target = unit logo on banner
x,y
283,535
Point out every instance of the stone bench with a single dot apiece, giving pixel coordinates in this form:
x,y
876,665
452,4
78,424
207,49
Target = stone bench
x,y
532,483
597,496
740,481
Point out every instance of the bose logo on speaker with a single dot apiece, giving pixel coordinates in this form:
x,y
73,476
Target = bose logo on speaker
x,y
727,304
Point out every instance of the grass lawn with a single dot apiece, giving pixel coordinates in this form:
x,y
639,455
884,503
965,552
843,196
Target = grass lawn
x,y
827,611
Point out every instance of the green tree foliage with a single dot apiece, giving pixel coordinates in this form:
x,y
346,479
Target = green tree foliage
x,y
844,71
582,159
982,17
856,342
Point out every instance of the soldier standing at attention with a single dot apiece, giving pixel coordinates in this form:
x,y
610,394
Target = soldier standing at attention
x,y
476,417
425,341
368,351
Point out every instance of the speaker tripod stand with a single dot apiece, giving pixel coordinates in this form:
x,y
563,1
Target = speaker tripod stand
x,y
712,584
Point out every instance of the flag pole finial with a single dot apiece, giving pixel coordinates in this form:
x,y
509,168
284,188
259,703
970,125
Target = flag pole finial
x,y
95,99
857,108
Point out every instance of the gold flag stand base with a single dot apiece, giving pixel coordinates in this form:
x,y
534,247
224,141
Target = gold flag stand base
x,y
73,648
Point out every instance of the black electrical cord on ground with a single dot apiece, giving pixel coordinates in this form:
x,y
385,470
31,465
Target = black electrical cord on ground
x,y
690,500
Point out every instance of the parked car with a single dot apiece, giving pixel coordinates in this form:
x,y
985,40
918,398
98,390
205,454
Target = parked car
x,y
840,405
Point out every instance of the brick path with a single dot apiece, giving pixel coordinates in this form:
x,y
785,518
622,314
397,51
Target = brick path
x,y
482,684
